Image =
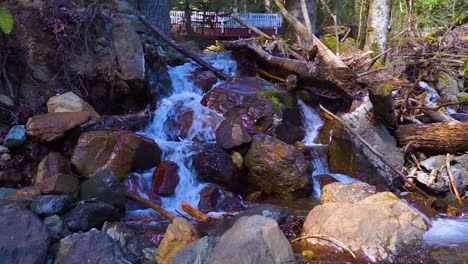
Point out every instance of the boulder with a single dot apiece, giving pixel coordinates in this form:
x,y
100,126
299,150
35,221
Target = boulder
x,y
52,126
131,243
165,178
6,101
277,168
324,180
93,247
231,133
178,234
51,165
15,137
377,228
189,120
209,197
117,151
104,187
203,79
59,184
54,225
338,192
87,215
253,239
196,252
129,50
214,164
70,102
47,205
274,212
23,236
442,182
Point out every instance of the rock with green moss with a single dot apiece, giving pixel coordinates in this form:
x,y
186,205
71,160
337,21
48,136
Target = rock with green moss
x,y
378,228
346,193
277,168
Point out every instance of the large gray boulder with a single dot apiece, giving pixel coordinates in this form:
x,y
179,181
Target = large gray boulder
x,y
253,239
93,247
23,236
378,228
196,252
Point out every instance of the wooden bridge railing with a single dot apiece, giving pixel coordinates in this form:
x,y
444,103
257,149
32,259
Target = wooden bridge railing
x,y
223,20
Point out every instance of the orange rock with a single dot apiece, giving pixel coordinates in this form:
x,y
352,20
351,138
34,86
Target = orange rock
x,y
52,126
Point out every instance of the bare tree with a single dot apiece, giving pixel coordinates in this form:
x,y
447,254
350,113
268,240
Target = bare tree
x,y
157,12
377,25
268,6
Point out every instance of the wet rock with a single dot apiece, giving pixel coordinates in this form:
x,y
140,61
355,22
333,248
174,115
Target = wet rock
x,y
338,192
229,202
254,239
196,252
132,245
4,150
6,101
23,236
92,247
209,197
277,168
346,155
133,185
129,50
54,225
232,133
238,160
215,165
6,192
25,195
324,180
187,120
52,126
165,178
47,205
203,79
277,213
433,162
378,228
15,137
51,165
87,215
178,234
117,151
420,203
104,187
70,102
59,184
441,182
245,99
447,86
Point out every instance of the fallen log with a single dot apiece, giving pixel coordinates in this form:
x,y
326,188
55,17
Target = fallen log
x,y
343,78
437,137
180,49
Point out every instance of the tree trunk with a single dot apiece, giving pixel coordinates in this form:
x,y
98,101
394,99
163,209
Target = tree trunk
x,y
294,7
435,137
377,26
188,17
268,6
157,13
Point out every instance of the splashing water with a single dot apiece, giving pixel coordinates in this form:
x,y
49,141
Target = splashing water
x,y
187,95
312,124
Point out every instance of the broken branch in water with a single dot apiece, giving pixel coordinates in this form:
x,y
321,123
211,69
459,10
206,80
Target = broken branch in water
x,y
194,212
453,184
374,151
151,205
330,239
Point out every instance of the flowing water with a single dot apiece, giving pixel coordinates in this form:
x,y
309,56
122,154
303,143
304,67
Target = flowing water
x,y
445,234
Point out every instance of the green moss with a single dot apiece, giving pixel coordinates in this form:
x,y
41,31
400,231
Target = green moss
x,y
465,68
463,99
388,240
444,79
274,97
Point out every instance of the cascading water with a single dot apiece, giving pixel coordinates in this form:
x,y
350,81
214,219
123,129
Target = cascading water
x,y
312,124
185,95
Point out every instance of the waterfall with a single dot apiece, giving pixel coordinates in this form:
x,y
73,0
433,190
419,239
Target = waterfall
x,y
312,124
185,95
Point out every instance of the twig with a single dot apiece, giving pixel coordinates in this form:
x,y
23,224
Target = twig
x,y
151,205
335,22
194,212
271,76
435,108
346,35
372,71
376,153
376,58
330,239
410,90
452,180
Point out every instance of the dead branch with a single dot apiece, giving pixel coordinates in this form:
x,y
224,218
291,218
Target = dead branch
x,y
151,205
373,150
194,212
179,48
452,180
330,239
